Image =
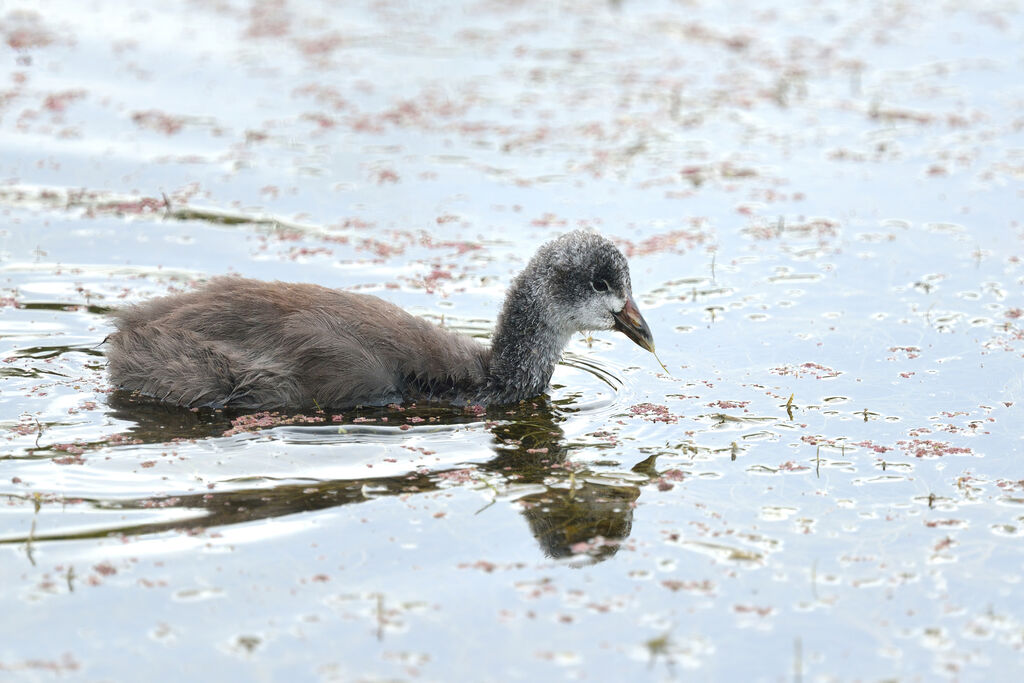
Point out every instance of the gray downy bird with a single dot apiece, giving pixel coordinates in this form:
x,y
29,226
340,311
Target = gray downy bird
x,y
247,344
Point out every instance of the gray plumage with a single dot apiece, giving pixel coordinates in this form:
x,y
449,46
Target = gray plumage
x,y
248,344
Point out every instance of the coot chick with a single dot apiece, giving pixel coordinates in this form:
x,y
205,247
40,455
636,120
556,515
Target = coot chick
x,y
248,344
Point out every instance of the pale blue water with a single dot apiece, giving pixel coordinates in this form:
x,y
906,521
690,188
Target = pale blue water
x,y
820,201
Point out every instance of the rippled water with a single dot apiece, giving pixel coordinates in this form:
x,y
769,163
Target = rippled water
x,y
821,206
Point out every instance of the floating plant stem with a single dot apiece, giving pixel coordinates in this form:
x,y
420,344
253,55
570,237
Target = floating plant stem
x,y
489,485
493,501
663,367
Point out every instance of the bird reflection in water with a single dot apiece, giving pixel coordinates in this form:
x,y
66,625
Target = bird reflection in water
x,y
571,517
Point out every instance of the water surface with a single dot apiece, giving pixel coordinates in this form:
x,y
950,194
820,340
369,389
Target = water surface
x,y
821,206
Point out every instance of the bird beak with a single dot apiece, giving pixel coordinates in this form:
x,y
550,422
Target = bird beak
x,y
629,322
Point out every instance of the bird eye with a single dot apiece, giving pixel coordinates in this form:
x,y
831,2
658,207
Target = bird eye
x,y
599,285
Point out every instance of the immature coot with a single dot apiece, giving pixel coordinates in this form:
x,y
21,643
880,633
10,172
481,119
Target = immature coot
x,y
248,344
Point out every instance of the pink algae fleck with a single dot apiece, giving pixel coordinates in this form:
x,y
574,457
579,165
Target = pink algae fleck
x,y
676,585
654,413
322,46
934,523
754,609
268,20
58,102
927,448
158,121
668,242
257,421
432,281
911,351
461,476
728,405
119,438
74,456
145,205
24,428
873,446
664,482
105,569
24,29
482,565
816,370
549,220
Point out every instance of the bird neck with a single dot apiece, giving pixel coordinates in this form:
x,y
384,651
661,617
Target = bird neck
x,y
526,345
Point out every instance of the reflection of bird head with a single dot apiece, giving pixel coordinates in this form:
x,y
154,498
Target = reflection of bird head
x,y
588,520
582,518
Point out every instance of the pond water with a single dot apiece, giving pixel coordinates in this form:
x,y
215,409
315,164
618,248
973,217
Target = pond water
x,y
821,204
